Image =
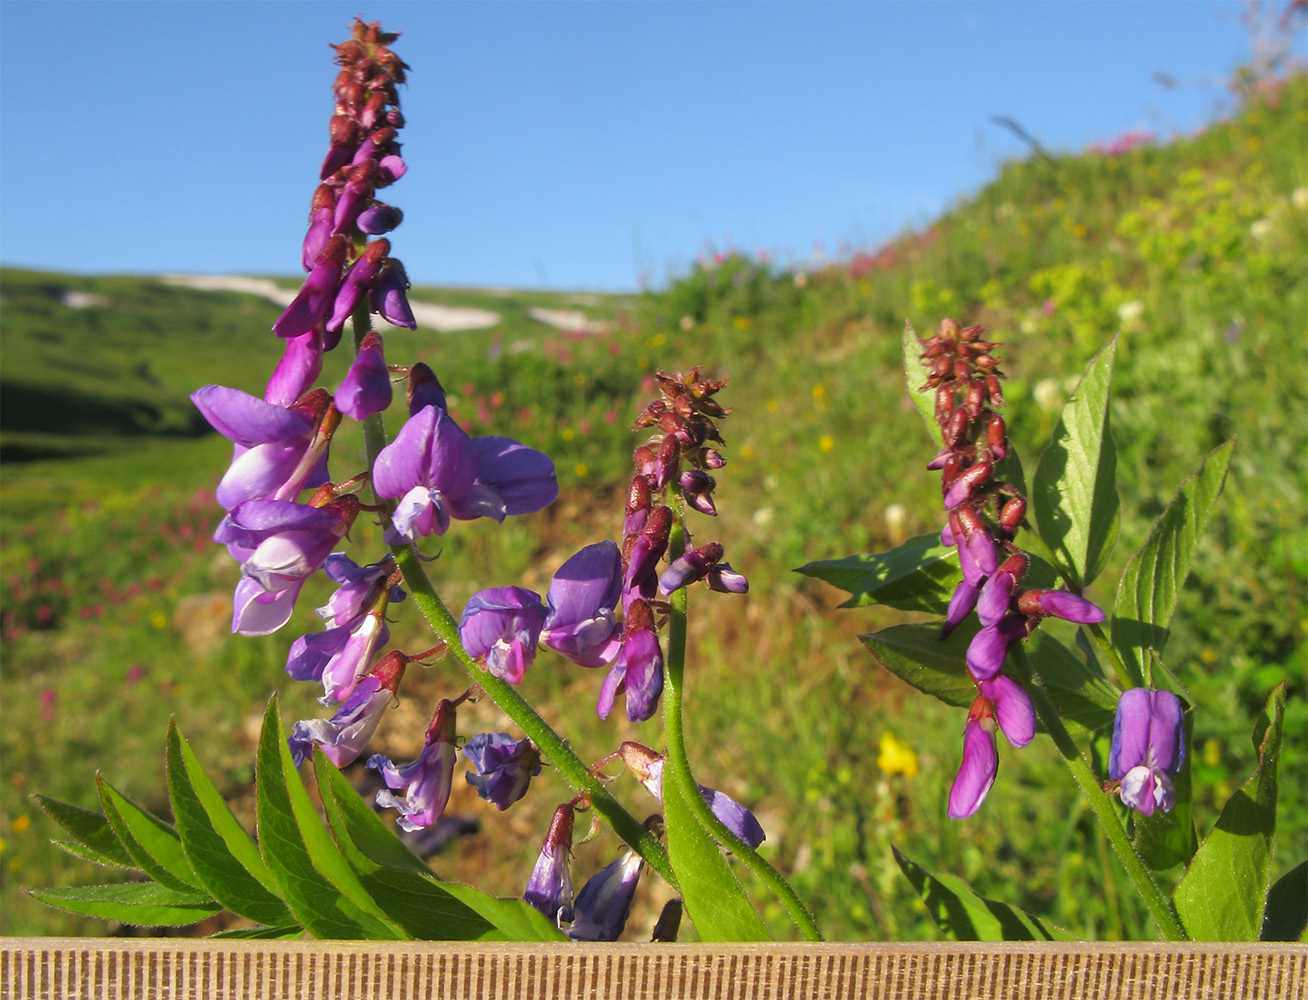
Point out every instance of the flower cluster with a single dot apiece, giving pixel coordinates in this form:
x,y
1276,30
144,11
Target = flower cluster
x,y
433,468
678,459
984,514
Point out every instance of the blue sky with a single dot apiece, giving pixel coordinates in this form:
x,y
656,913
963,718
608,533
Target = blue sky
x,y
569,145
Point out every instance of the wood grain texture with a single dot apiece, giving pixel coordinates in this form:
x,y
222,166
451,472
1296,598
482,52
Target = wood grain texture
x,y
175,969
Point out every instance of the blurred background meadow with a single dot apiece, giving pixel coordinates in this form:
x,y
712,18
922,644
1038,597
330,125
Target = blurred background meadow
x,y
115,606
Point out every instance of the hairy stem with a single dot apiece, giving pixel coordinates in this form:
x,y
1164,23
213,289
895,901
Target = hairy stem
x,y
673,731
1100,804
524,716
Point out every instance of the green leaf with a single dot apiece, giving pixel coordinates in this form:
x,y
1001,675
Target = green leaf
x,y
713,897
317,903
1285,917
223,856
1074,494
1222,894
964,916
917,654
83,853
144,904
1167,839
919,575
152,843
1147,594
91,830
406,888
915,376
1080,694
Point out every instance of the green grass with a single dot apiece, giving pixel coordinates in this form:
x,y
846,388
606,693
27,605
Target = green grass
x,y
113,608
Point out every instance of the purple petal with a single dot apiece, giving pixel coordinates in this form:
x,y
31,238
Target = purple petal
x,y
1130,731
367,386
523,477
989,647
583,596
996,595
424,785
977,772
256,612
343,737
247,420
1070,607
311,306
602,906
960,606
299,368
734,816
1013,709
643,676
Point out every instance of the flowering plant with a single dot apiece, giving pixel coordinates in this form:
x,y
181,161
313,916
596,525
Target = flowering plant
x,y
621,607
992,576
1117,714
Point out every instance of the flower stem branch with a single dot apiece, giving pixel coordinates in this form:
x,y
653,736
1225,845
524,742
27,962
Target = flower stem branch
x,y
677,759
1100,804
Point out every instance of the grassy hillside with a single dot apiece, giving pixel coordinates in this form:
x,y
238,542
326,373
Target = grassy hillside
x,y
114,605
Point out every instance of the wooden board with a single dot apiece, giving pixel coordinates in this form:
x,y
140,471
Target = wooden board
x,y
179,969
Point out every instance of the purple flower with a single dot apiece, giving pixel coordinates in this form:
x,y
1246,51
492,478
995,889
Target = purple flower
x,y
314,300
648,766
425,784
343,737
320,225
989,647
550,887
638,670
600,912
503,625
583,598
960,606
299,368
1013,708
505,767
367,386
280,543
277,451
689,567
646,551
379,219
338,657
723,579
390,295
980,764
424,389
996,595
357,284
1148,748
438,472
1060,604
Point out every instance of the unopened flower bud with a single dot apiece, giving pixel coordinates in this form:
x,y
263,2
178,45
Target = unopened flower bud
x,y
688,568
424,389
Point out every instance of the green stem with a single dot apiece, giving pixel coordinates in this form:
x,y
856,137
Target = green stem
x,y
554,747
675,666
1100,804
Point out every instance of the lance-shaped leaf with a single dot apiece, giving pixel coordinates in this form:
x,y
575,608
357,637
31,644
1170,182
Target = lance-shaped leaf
x,y
223,856
142,904
713,897
1222,896
1074,493
1147,595
151,842
917,654
919,575
915,375
285,832
964,916
91,830
406,888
